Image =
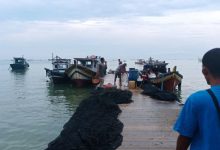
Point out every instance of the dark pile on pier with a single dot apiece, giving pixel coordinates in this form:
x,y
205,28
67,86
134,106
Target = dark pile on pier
x,y
156,93
95,124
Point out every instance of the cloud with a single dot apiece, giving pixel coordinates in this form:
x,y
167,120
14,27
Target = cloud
x,y
87,9
182,32
131,27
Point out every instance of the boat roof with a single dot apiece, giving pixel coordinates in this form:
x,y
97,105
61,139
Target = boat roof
x,y
19,58
60,59
86,59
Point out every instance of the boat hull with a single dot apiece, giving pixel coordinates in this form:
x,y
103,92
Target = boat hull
x,y
168,82
57,77
80,75
19,66
82,83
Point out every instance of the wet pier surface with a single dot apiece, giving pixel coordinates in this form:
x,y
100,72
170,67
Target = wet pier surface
x,y
147,122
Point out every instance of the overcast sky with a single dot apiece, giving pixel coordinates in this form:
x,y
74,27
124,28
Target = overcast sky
x,y
111,28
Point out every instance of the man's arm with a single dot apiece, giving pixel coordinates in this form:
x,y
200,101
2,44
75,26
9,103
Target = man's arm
x,y
183,142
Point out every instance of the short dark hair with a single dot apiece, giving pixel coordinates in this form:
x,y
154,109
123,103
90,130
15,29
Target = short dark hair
x,y
211,60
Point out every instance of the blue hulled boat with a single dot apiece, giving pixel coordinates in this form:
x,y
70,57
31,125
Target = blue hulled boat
x,y
57,74
20,63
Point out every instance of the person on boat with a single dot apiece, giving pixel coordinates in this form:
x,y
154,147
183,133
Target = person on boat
x,y
168,70
119,72
119,62
199,121
101,72
174,69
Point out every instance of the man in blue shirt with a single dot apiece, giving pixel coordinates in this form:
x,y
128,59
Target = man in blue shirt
x,y
199,123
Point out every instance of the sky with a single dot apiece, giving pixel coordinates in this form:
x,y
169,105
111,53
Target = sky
x,y
109,28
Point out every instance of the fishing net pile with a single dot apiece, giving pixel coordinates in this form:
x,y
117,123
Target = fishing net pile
x,y
95,124
155,93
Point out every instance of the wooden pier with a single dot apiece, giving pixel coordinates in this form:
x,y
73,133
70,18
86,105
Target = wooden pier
x,y
147,123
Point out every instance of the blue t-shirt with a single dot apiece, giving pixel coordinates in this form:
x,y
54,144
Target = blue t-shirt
x,y
199,120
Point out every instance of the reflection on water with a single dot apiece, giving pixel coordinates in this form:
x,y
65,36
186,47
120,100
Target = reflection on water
x,y
33,111
19,71
66,94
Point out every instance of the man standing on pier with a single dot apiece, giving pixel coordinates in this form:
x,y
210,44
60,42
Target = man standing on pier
x,y
120,71
199,122
101,72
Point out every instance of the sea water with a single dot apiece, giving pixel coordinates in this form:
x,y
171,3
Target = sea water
x,y
33,110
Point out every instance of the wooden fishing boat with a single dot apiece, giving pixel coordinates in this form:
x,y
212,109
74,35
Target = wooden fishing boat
x,y
164,78
57,74
20,63
168,81
83,70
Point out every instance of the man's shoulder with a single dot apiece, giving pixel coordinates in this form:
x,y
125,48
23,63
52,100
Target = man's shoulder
x,y
199,93
198,97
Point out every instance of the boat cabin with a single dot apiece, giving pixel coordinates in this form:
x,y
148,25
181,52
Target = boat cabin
x,y
90,63
61,64
19,60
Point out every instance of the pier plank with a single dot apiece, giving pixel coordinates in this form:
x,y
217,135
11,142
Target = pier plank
x,y
148,124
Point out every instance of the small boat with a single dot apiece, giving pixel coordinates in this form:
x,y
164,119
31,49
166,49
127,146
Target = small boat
x,y
140,62
168,81
164,78
57,74
20,63
155,66
83,70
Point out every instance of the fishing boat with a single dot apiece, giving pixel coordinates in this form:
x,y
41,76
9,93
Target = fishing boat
x,y
155,65
168,82
20,63
83,70
164,78
140,62
57,74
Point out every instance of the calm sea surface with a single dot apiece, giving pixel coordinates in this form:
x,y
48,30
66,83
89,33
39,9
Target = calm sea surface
x,y
33,111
